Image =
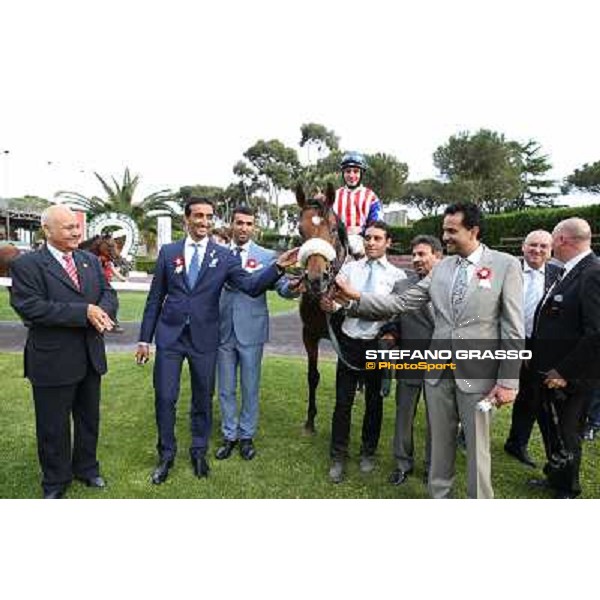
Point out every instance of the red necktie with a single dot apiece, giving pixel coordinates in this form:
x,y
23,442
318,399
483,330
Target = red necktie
x,y
71,269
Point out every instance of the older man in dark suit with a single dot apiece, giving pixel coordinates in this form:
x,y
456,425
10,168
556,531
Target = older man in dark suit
x,y
65,302
566,333
538,274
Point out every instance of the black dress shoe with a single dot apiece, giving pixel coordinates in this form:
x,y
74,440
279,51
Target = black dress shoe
x,y
520,454
56,494
590,433
161,472
562,495
398,476
200,466
94,482
225,450
247,450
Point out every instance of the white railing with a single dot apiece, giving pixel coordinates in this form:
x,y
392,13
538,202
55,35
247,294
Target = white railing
x,y
128,286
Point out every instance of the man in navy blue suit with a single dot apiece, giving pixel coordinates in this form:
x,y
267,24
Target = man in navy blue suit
x,y
182,313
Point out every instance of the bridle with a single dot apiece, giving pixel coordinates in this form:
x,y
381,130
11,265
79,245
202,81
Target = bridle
x,y
334,257
335,260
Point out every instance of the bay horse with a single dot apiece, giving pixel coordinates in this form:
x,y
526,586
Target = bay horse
x,y
322,254
104,247
8,253
101,245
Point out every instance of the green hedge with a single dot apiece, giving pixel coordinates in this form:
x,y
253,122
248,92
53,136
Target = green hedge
x,y
275,241
506,225
145,264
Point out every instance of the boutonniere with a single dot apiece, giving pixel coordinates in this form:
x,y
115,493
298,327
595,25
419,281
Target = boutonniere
x,y
253,265
179,264
214,261
484,274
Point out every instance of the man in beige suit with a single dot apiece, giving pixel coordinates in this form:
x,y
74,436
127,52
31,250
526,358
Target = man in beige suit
x,y
477,297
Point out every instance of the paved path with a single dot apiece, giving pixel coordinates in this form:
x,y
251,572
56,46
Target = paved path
x,y
286,338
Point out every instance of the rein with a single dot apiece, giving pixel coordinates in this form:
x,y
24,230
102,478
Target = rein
x,y
334,264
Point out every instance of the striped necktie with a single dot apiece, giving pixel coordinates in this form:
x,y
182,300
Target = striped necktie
x,y
71,269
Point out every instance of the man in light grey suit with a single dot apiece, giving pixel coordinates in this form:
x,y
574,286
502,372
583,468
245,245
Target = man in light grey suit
x,y
477,297
243,331
412,330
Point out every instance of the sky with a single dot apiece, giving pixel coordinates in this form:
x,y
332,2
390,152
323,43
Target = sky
x,y
178,90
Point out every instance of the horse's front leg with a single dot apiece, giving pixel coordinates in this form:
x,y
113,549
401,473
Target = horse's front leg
x,y
312,352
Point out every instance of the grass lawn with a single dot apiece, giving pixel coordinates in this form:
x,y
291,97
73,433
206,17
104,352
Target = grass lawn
x,y
131,305
288,465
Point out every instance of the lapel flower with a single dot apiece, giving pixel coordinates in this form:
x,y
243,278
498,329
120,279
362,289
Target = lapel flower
x,y
484,275
179,264
252,265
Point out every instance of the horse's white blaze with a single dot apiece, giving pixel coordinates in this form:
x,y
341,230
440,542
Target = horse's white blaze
x,y
316,220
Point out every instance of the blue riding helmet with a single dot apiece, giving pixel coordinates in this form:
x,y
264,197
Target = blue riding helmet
x,y
353,159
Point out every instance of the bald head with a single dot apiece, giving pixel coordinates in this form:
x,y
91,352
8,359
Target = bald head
x,y
571,237
54,213
61,228
537,248
575,228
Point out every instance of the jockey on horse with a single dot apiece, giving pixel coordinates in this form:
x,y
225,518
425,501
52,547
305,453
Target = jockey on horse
x,y
356,204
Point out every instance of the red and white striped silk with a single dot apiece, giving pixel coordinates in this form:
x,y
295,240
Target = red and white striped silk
x,y
71,269
353,206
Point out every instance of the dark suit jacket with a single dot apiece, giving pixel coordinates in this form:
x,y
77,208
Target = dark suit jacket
x,y
551,272
171,304
60,339
412,330
567,325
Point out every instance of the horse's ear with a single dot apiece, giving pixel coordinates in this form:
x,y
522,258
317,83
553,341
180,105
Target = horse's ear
x,y
330,194
300,195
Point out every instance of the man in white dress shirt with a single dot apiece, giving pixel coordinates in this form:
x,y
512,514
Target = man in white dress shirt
x,y
538,276
373,273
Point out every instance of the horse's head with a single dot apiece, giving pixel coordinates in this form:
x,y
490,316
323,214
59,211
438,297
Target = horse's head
x,y
101,245
324,239
107,247
8,253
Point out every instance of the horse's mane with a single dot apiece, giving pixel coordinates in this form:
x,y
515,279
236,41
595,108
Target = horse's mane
x,y
87,244
325,210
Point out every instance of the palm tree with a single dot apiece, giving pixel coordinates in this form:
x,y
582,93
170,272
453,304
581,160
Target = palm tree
x,y
120,199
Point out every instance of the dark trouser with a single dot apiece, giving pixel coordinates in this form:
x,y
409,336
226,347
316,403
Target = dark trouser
x,y
407,398
526,410
345,390
562,419
54,408
593,409
167,375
